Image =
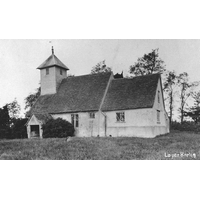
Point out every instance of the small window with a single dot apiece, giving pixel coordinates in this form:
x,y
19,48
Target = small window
x,y
120,117
72,119
47,71
158,96
92,115
158,116
61,72
75,120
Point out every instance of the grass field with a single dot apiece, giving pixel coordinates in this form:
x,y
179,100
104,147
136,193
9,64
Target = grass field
x,y
180,145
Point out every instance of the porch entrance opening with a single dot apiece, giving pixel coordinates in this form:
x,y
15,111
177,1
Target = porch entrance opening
x,y
35,131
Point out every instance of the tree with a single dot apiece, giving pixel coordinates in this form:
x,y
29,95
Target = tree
x,y
169,88
14,109
148,64
70,75
185,91
100,68
11,126
194,111
196,97
4,122
32,98
18,128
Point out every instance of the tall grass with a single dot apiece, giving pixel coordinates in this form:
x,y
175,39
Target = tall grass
x,y
121,148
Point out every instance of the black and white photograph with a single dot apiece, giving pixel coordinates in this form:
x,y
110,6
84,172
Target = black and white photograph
x,y
99,100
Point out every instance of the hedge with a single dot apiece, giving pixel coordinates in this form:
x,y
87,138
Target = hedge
x,y
57,128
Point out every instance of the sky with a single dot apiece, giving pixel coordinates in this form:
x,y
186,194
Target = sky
x,y
20,58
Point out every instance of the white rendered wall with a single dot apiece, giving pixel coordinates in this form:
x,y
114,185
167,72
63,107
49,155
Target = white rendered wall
x,y
87,127
50,82
59,77
138,123
159,106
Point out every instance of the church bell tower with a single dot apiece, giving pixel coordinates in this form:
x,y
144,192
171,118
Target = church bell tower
x,y
52,71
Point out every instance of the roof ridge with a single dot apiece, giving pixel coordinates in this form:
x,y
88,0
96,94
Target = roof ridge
x,y
131,78
103,73
147,75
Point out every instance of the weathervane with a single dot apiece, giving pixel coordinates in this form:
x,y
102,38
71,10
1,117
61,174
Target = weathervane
x,y
52,48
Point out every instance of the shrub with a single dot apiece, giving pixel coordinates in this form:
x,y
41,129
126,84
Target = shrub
x,y
57,128
18,128
4,132
185,126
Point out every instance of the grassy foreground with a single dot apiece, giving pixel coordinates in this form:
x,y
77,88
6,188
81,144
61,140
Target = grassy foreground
x,y
172,146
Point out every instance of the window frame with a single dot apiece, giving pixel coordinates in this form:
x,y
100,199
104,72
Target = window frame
x,y
158,116
158,96
47,71
61,72
75,120
92,115
120,117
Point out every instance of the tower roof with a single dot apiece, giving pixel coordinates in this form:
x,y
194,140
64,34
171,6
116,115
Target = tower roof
x,y
52,61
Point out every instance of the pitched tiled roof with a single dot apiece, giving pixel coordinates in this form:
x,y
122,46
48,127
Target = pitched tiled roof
x,y
43,117
52,61
137,92
75,94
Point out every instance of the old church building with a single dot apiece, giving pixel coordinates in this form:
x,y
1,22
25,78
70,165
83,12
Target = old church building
x,y
99,104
